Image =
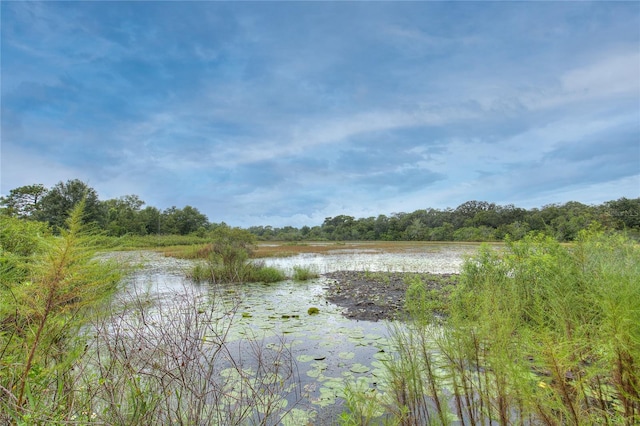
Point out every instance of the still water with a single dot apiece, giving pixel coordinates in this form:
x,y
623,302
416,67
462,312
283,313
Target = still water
x,y
328,351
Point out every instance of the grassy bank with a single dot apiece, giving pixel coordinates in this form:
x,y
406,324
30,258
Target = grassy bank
x,y
538,333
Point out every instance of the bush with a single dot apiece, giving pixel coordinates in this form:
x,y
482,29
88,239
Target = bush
x,y
538,333
42,313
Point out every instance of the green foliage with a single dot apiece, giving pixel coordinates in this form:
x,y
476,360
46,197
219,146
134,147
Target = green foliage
x,y
182,221
21,237
470,221
60,200
123,216
624,213
539,332
304,273
227,257
265,274
425,302
24,201
41,313
364,405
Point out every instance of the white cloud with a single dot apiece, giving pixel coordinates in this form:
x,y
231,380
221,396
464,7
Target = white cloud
x,y
612,75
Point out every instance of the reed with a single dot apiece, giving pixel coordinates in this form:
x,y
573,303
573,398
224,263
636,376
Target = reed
x,y
539,333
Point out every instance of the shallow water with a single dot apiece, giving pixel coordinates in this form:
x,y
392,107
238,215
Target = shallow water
x,y
437,259
329,349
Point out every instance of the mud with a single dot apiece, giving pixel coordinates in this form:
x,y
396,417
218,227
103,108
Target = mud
x,y
379,295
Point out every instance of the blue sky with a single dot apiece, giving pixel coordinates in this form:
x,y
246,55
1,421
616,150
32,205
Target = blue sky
x,y
284,113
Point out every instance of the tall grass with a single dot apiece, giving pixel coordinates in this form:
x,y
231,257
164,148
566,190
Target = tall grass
x,y
538,334
304,273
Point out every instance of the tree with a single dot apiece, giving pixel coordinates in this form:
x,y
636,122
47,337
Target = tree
x,y
24,201
191,220
230,249
465,213
625,211
416,231
150,219
63,197
123,216
183,221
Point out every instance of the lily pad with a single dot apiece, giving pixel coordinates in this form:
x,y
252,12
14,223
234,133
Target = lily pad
x,y
296,417
347,355
305,358
359,368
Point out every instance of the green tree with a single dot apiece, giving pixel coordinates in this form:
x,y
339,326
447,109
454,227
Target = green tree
x,y
191,220
416,231
123,216
465,213
24,201
63,197
228,254
625,211
442,233
182,221
150,218
339,228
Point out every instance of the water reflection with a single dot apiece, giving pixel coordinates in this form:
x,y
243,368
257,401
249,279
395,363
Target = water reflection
x,y
328,348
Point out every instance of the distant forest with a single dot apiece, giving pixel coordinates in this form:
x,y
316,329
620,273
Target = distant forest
x,y
470,221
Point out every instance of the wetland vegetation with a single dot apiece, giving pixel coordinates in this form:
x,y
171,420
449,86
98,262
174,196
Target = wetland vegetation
x,y
217,327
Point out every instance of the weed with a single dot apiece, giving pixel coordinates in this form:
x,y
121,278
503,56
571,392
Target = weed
x,y
304,273
265,274
540,333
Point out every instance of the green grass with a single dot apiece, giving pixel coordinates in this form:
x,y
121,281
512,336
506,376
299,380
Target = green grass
x,y
304,273
266,274
538,332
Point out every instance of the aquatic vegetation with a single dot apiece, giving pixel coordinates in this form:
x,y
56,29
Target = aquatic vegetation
x,y
304,273
540,333
265,274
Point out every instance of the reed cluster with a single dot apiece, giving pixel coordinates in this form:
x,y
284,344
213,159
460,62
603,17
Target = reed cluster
x,y
537,333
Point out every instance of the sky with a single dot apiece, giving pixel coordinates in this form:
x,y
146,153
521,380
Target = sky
x,y
285,113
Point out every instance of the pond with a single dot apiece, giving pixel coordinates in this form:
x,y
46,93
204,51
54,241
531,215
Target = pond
x,y
327,350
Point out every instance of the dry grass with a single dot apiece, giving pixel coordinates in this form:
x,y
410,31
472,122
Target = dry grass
x,y
286,249
283,249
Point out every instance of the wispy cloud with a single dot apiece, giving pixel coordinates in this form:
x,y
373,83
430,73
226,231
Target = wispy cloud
x,y
285,113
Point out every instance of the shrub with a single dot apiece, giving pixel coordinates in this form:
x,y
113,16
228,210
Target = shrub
x,y
539,333
41,315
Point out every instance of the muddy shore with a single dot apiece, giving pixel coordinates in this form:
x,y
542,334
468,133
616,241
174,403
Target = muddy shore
x,y
374,296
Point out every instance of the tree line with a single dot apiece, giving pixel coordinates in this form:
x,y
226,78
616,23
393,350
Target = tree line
x,y
126,215
470,221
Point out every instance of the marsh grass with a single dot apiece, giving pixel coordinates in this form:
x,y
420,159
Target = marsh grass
x,y
214,272
266,274
145,361
540,333
304,273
